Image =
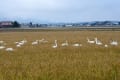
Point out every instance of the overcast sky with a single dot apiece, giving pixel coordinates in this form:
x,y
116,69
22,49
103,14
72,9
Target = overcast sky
x,y
60,10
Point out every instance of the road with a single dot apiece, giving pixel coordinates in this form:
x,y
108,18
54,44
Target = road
x,y
60,29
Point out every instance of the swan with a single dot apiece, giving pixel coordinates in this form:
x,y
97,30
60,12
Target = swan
x,y
24,41
55,45
98,42
89,41
65,44
77,45
43,41
2,47
114,43
1,42
35,42
18,45
106,45
9,49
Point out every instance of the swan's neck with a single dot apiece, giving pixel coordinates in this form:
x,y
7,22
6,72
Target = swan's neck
x,y
96,40
55,42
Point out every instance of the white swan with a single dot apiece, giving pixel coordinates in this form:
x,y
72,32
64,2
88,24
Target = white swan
x,y
114,43
1,42
65,44
106,45
55,45
89,41
77,45
2,47
43,41
16,42
23,41
18,45
98,42
9,49
35,42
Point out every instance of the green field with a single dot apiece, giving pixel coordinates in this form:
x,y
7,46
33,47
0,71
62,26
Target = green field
x,y
42,62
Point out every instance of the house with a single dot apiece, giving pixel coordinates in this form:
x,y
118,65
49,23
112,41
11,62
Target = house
x,y
6,24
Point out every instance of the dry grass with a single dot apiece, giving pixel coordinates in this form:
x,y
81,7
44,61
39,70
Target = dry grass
x,y
41,62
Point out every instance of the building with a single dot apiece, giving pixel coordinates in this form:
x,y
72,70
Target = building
x,y
6,24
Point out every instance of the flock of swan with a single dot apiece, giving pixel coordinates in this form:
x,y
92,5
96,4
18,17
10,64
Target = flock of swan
x,y
95,41
21,43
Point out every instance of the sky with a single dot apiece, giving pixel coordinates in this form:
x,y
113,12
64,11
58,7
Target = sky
x,y
60,10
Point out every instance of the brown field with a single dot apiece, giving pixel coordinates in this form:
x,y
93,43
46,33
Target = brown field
x,y
42,62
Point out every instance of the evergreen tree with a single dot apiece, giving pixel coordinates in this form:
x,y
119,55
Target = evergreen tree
x,y
30,24
16,24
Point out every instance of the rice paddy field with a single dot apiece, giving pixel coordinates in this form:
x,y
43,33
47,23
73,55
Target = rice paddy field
x,y
42,62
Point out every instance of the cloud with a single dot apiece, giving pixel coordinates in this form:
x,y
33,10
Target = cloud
x,y
61,10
